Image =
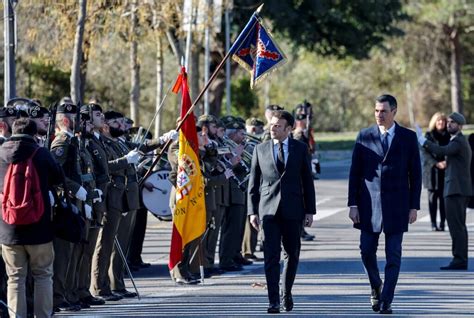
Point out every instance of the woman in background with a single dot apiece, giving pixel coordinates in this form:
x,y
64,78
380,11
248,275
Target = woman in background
x,y
433,169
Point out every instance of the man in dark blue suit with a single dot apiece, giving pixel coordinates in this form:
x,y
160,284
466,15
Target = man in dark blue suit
x,y
281,194
384,195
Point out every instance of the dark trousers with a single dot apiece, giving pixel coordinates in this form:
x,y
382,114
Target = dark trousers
x,y
393,252
433,197
456,217
136,246
277,231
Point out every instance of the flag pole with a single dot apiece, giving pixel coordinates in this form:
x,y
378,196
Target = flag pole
x,y
241,38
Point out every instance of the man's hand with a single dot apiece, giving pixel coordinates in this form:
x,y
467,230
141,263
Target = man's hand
x,y
412,216
308,220
354,214
441,165
419,135
255,222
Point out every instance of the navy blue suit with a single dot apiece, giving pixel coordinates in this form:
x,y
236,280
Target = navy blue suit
x,y
389,183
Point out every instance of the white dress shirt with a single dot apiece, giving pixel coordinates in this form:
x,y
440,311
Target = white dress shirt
x,y
390,132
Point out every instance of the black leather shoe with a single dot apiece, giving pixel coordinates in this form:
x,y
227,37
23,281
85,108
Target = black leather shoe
x,y
307,237
125,293
110,297
231,268
375,298
186,281
66,306
385,308
273,308
451,267
81,304
92,301
242,261
287,302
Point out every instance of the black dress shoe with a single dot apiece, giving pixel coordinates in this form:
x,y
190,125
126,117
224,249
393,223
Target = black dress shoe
x,y
81,304
375,298
273,308
242,261
231,268
92,301
287,302
110,297
144,265
66,306
385,308
125,293
451,267
186,281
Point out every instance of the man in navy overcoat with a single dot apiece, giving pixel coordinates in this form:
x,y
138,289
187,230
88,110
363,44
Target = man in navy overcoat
x,y
384,195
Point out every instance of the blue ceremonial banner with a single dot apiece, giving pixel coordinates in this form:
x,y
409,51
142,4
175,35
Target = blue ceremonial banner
x,y
256,51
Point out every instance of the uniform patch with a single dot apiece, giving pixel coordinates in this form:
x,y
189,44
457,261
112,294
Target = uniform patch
x,y
59,152
95,152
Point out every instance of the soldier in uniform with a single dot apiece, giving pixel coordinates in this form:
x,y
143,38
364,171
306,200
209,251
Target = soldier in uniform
x,y
233,222
80,261
7,116
254,127
65,149
41,116
214,177
118,163
303,134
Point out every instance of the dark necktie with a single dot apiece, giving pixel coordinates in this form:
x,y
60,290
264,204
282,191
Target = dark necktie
x,y
280,158
385,143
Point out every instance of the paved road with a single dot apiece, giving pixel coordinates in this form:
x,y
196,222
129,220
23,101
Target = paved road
x,y
330,281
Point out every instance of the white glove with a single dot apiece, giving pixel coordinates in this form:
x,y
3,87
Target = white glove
x,y
81,194
133,156
228,173
51,198
88,211
172,134
99,194
419,135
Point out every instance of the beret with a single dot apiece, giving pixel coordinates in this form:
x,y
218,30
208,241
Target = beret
x,y
67,109
235,125
112,114
208,119
274,107
227,119
37,111
93,107
457,117
254,122
8,112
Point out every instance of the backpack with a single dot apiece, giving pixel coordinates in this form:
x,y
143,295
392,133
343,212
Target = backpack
x,y
22,197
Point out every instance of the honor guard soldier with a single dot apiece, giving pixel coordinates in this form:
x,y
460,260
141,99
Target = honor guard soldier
x,y
7,117
41,116
214,178
65,149
233,222
118,163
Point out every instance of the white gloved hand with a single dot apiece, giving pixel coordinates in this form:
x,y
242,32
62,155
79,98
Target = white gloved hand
x,y
88,211
51,198
170,135
133,156
99,194
419,135
81,194
228,173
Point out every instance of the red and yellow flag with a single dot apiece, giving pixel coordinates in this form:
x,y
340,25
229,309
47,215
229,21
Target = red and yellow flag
x,y
189,217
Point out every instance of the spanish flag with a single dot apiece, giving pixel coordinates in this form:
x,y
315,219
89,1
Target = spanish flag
x,y
189,218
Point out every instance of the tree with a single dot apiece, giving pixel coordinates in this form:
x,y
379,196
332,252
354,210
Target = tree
x,y
453,19
76,93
